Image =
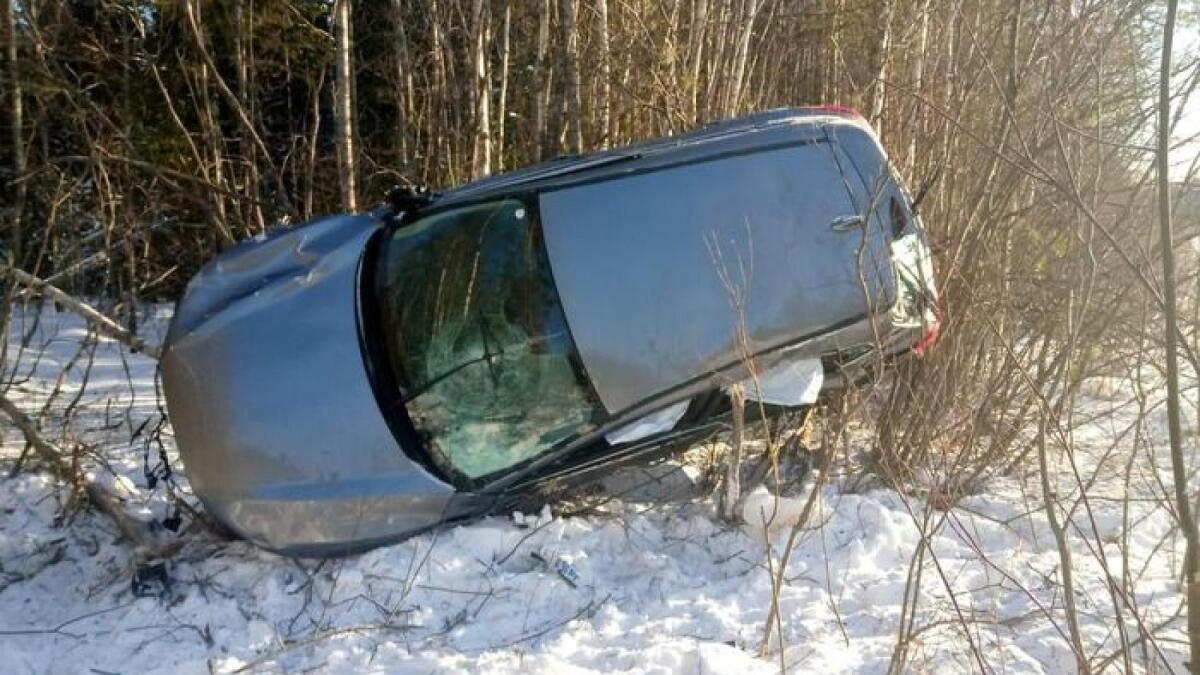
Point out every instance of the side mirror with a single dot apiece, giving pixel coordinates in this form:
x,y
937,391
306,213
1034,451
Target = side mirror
x,y
409,198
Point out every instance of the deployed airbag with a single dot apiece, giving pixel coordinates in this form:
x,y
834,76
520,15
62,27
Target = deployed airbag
x,y
791,383
655,422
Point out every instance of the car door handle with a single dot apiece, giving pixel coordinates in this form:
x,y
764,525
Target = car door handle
x,y
847,223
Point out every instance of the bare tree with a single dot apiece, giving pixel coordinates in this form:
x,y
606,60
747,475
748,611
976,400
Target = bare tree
x,y
134,530
403,85
569,57
481,152
729,499
883,58
103,324
541,92
16,127
343,109
243,57
696,38
918,79
605,96
502,97
1179,472
744,22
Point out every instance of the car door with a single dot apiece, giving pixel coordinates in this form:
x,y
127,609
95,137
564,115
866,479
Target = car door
x,y
660,270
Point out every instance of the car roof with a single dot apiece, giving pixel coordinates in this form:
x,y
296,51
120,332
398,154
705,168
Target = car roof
x,y
743,134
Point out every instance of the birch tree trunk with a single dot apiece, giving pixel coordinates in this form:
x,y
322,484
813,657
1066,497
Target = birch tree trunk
x,y
671,91
875,111
98,320
733,95
1179,471
623,104
570,65
402,87
541,94
436,100
16,125
696,56
605,103
314,107
252,213
343,108
146,543
918,111
481,147
714,97
208,123
834,57
502,100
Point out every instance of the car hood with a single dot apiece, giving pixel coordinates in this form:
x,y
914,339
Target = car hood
x,y
273,411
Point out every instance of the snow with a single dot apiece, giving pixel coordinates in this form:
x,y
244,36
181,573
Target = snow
x,y
662,587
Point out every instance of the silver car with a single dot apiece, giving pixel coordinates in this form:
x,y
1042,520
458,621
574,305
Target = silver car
x,y
365,377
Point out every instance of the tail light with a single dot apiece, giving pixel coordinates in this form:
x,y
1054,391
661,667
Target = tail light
x,y
933,330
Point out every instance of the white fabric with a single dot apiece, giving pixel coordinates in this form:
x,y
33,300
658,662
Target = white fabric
x,y
655,422
791,383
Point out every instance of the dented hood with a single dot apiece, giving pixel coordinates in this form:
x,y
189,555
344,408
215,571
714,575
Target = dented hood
x,y
269,396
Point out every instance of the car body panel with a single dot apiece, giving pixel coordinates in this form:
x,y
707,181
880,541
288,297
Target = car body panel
x,y
271,404
692,251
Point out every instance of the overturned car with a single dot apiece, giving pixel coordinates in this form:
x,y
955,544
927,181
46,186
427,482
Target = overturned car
x,y
364,377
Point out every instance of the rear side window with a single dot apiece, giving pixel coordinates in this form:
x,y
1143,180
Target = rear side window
x,y
476,337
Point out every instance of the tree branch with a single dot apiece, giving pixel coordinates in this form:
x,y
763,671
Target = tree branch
x,y
102,323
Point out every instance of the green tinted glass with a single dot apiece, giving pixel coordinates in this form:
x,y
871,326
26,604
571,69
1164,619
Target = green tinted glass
x,y
475,330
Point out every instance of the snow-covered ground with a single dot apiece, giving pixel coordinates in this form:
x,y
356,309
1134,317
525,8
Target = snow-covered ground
x,y
663,588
